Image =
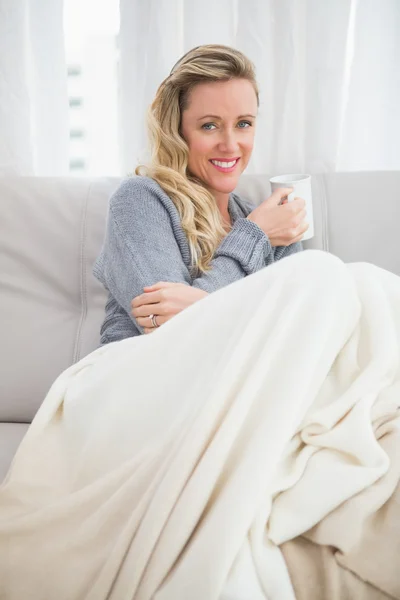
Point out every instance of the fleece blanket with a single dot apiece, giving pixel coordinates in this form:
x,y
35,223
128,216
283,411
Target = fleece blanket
x,y
178,465
354,552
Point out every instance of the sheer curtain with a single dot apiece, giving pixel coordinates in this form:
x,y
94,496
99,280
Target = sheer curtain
x,y
33,89
328,75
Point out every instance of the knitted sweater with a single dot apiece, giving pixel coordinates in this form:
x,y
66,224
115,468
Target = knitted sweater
x,y
145,243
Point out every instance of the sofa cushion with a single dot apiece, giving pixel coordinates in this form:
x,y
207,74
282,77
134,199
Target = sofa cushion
x,y
52,306
11,435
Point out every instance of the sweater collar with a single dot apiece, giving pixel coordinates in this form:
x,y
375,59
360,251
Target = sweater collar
x,y
236,208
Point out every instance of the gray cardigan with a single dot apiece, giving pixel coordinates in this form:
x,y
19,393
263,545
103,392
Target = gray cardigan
x,y
145,243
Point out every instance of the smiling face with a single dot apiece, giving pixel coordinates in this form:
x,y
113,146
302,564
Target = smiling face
x,y
218,125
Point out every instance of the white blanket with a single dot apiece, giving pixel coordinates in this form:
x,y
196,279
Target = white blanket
x,y
171,466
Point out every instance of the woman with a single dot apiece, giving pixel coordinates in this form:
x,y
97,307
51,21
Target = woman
x,y
186,464
183,223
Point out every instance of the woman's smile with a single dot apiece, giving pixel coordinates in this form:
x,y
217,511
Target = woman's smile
x,y
225,165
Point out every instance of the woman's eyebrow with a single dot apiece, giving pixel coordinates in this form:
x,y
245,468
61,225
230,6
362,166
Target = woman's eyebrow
x,y
219,118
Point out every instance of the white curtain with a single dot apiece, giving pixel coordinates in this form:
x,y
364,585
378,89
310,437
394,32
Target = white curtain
x,y
328,75
33,89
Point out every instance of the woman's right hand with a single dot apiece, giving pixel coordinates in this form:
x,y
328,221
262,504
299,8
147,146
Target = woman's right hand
x,y
283,223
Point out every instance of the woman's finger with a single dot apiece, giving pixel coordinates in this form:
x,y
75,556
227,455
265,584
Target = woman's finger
x,y
302,232
146,298
151,329
160,285
147,323
151,309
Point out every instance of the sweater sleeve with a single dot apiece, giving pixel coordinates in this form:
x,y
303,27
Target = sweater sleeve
x,y
282,251
145,244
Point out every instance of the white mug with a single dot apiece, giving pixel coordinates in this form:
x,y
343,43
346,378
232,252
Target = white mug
x,y
301,185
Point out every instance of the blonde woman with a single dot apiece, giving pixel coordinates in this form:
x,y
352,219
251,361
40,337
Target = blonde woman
x,y
182,221
191,463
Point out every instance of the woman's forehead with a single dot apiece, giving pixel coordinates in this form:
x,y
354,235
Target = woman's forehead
x,y
236,96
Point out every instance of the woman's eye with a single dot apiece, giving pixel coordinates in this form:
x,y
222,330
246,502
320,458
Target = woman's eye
x,y
208,126
244,124
241,125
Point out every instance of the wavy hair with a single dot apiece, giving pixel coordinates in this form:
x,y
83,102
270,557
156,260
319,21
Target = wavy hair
x,y
200,217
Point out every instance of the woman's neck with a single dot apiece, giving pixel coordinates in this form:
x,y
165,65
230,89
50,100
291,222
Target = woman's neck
x,y
223,207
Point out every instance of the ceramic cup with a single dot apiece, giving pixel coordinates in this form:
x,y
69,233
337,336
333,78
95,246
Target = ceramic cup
x,y
301,185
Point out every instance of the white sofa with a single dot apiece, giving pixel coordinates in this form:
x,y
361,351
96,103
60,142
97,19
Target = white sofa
x,y
52,307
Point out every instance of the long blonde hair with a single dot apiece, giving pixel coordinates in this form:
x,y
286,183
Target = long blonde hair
x,y
200,217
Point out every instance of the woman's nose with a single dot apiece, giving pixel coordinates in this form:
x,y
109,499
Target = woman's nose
x,y
228,142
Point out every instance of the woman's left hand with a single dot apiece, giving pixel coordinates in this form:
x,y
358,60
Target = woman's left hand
x,y
164,300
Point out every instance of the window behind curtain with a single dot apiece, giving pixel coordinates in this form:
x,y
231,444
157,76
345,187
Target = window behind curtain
x,y
91,44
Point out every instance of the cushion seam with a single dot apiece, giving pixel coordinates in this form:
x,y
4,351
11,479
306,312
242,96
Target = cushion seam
x,y
82,279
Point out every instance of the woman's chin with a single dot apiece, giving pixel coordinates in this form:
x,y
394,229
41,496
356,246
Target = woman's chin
x,y
225,184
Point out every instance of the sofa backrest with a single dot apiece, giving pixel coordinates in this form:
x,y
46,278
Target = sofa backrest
x,y
51,230
356,215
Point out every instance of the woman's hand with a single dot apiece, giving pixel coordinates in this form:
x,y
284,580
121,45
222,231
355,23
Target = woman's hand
x,y
282,221
164,300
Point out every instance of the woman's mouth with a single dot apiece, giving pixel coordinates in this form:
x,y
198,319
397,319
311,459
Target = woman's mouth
x,y
224,165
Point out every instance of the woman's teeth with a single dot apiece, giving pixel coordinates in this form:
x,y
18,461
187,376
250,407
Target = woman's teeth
x,y
224,165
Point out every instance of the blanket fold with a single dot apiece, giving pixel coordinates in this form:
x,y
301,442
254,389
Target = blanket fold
x,y
354,552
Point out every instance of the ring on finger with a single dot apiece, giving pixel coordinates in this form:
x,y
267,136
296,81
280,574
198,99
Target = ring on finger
x,y
153,320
